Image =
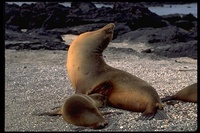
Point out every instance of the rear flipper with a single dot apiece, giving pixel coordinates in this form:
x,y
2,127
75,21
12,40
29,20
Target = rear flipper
x,y
159,115
170,100
167,98
55,113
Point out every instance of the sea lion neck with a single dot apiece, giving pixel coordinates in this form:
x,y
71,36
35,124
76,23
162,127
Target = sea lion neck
x,y
85,56
100,48
103,37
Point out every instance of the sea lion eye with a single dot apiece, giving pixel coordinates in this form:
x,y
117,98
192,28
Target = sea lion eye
x,y
109,31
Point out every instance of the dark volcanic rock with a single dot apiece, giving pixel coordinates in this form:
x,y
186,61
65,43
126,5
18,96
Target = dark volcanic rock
x,y
188,49
51,15
169,41
183,21
138,16
12,28
39,15
20,45
169,34
83,7
34,39
172,18
12,14
146,51
76,30
56,16
184,24
25,15
120,29
115,50
46,21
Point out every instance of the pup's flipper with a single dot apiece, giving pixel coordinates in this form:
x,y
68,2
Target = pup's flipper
x,y
54,113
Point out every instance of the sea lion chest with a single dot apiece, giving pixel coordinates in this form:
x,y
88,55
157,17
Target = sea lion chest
x,y
84,69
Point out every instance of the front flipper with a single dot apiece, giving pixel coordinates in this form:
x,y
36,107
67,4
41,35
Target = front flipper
x,y
54,113
103,88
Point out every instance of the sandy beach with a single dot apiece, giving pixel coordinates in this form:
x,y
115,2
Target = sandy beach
x,y
36,81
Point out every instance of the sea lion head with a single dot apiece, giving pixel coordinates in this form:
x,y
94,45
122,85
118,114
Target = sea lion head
x,y
81,110
95,41
105,36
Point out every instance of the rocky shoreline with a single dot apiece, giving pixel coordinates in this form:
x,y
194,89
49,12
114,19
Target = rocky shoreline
x,y
36,43
172,35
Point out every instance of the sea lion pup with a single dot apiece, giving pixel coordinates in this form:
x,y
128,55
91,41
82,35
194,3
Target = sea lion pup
x,y
89,73
187,94
82,110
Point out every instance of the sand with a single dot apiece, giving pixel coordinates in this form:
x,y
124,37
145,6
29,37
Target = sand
x,y
36,81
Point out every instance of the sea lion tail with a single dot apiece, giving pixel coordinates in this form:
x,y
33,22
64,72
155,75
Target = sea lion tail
x,y
167,98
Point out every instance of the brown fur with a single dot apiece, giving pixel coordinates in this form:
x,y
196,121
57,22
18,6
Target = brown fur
x,y
82,110
89,73
187,94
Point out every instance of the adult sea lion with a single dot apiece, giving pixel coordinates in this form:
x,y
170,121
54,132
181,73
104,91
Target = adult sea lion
x,y
187,94
89,73
82,110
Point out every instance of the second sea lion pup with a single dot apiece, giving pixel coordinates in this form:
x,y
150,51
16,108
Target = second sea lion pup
x,y
187,94
89,73
82,110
